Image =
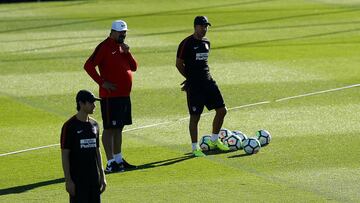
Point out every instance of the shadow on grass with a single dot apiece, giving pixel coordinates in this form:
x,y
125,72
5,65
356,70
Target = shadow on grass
x,y
216,152
155,164
238,156
24,188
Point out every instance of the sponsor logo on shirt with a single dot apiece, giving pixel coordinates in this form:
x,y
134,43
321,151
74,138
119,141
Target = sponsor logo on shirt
x,y
87,143
201,56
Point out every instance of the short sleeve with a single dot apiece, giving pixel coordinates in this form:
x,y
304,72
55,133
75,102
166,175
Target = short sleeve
x,y
66,137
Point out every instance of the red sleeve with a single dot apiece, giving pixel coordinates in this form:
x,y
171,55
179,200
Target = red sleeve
x,y
132,62
93,61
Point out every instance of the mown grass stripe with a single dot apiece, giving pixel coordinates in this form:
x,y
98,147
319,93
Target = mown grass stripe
x,y
186,118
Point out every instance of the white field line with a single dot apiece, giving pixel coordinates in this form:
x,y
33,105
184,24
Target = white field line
x,y
319,92
186,118
31,149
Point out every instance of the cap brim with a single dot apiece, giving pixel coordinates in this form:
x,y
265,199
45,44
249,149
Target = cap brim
x,y
204,24
94,100
121,30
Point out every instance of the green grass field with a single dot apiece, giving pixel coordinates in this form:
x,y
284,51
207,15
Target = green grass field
x,y
262,50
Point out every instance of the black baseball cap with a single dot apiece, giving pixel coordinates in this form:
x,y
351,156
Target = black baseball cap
x,y
86,96
201,20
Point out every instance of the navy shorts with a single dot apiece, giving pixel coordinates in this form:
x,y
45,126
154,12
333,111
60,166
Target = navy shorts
x,y
116,112
202,95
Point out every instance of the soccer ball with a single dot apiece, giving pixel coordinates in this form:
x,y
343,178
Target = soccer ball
x,y
203,143
241,135
224,133
264,137
233,142
251,146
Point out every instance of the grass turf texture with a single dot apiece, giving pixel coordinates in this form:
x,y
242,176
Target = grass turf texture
x,y
261,51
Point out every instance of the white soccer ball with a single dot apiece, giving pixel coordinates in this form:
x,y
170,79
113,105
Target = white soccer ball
x,y
251,146
224,133
203,143
233,142
242,136
264,137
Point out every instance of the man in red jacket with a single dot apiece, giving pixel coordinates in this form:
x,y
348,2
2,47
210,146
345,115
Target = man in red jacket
x,y
114,76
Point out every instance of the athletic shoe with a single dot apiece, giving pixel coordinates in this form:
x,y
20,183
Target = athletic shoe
x,y
128,166
114,167
211,144
220,145
198,153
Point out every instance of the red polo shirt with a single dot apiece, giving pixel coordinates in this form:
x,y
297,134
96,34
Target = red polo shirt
x,y
114,66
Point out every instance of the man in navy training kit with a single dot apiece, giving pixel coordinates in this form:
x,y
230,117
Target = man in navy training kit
x,y
81,157
201,89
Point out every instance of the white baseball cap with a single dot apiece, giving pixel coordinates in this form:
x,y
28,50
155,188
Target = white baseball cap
x,y
119,25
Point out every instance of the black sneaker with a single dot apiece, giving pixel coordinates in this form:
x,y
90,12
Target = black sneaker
x,y
114,167
128,166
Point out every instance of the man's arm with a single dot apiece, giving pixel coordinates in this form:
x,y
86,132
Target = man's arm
x,y
90,68
180,66
70,186
101,171
132,62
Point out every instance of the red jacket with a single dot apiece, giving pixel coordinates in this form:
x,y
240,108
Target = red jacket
x,y
114,66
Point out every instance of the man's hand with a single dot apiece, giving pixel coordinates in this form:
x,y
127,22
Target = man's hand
x,y
125,47
70,187
108,86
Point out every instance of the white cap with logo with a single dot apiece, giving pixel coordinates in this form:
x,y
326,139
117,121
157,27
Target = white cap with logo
x,y
119,25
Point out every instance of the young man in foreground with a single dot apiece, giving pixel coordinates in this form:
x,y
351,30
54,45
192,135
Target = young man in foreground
x,y
81,157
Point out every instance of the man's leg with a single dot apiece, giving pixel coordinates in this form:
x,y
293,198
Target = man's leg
x,y
117,145
108,140
218,119
217,123
117,151
118,140
193,129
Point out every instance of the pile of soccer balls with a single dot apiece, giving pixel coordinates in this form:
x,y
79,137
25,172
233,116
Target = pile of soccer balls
x,y
237,140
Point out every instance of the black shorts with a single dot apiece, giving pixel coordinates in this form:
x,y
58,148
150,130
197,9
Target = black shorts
x,y
202,95
86,193
116,112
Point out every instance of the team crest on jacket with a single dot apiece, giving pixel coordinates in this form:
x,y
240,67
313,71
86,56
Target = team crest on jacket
x,y
94,129
206,46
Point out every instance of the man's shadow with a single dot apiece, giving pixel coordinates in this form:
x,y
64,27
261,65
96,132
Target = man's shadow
x,y
238,156
165,162
216,152
24,188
